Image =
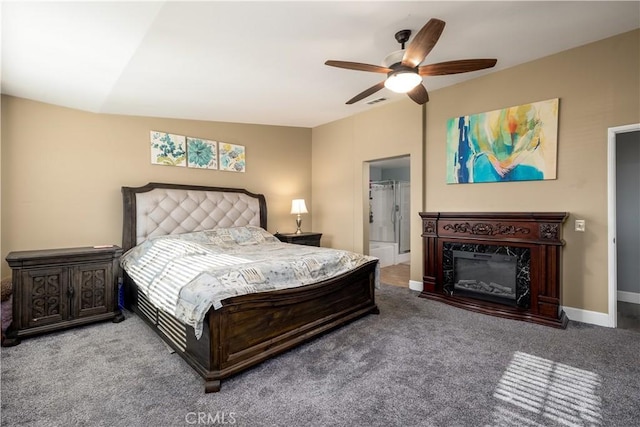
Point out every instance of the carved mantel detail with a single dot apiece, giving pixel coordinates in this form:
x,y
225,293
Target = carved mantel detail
x,y
429,227
537,233
485,229
549,231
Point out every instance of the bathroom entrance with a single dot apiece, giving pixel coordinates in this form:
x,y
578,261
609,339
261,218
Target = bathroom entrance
x,y
389,211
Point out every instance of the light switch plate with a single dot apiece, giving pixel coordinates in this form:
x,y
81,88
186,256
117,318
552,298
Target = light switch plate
x,y
580,225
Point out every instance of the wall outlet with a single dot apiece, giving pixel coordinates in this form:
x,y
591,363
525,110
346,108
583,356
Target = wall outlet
x,y
580,225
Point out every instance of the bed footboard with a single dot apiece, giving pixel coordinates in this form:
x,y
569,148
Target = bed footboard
x,y
249,329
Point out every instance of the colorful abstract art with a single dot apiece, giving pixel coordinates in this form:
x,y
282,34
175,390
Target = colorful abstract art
x,y
201,153
232,157
168,149
512,144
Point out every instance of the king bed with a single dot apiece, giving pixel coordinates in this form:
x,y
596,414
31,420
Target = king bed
x,y
257,311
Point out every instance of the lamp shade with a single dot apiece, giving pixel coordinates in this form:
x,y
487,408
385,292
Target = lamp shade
x,y
402,81
298,206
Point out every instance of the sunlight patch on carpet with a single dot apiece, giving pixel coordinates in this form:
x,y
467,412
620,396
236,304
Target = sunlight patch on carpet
x,y
534,391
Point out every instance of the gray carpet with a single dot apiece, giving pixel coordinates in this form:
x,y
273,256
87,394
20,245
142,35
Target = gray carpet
x,y
418,363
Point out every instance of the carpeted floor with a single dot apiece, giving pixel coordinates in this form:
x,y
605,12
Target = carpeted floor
x,y
629,316
418,363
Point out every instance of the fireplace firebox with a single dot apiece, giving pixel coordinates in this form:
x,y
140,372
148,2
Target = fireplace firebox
x,y
504,264
490,277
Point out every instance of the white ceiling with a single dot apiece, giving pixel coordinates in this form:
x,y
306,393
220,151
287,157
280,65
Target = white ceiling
x,y
263,62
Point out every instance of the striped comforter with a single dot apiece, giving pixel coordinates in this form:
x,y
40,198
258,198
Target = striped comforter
x,y
187,274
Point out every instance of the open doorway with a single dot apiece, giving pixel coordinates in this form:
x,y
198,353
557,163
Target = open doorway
x,y
624,226
389,218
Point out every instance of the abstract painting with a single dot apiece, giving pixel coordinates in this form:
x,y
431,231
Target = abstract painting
x,y
168,149
512,144
201,153
232,157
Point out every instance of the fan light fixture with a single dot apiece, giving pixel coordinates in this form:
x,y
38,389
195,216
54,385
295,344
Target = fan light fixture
x,y
403,69
402,81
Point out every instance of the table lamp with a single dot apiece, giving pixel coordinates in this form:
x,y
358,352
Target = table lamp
x,y
298,207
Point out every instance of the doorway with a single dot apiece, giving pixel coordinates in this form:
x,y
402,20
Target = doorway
x,y
624,226
389,218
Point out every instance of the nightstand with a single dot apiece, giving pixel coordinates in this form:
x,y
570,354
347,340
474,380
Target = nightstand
x,y
305,238
61,288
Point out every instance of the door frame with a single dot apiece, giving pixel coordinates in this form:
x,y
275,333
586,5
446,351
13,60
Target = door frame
x,y
366,181
612,258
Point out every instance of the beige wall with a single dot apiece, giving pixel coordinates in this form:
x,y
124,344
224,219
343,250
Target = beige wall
x,y
62,170
599,87
340,172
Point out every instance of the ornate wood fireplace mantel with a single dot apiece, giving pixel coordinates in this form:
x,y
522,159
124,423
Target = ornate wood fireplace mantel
x,y
538,235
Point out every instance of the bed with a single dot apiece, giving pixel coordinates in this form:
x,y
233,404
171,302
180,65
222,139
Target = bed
x,y
246,329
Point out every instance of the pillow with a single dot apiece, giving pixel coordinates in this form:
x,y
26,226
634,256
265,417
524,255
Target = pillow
x,y
242,236
247,235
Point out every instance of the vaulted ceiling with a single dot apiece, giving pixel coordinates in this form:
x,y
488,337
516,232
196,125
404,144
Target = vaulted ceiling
x,y
263,62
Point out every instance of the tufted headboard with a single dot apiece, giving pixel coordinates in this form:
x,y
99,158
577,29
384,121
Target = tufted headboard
x,y
158,209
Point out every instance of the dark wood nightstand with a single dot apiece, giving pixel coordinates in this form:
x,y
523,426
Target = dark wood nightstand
x,y
305,238
60,288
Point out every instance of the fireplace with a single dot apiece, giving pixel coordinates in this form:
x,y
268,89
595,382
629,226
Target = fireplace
x,y
490,277
503,264
485,259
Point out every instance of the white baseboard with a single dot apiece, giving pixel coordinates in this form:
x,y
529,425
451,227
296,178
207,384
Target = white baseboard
x,y
403,258
586,316
576,314
414,285
597,318
632,297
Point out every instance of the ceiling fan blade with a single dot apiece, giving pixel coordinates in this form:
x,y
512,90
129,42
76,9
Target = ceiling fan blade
x,y
422,43
358,66
364,94
455,67
419,94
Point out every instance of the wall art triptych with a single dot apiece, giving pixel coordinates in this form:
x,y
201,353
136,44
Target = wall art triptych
x,y
185,151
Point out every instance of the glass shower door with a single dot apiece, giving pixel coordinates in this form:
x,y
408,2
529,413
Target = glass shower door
x,y
382,219
403,230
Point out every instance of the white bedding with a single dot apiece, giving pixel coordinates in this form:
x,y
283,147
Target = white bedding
x,y
187,274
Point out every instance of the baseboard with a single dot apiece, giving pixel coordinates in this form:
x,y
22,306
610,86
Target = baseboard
x,y
586,316
415,285
632,297
403,258
576,314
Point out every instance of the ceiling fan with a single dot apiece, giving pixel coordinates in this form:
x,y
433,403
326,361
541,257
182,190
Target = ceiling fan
x,y
404,73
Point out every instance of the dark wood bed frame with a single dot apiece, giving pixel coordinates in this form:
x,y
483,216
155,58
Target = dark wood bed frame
x,y
249,329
